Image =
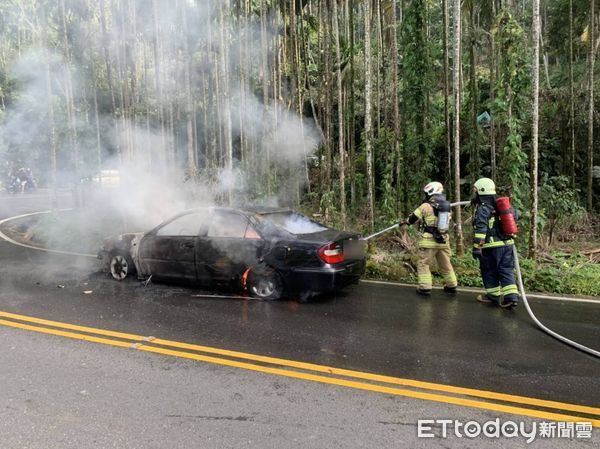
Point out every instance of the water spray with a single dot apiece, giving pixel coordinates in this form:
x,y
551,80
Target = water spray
x,y
397,225
383,231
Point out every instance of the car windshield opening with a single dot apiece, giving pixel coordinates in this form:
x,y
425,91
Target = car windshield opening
x,y
294,223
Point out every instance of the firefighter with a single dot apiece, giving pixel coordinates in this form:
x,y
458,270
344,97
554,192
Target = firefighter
x,y
434,216
492,248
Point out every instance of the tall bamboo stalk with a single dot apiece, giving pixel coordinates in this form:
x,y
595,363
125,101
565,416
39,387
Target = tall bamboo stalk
x,y
457,97
590,146
368,118
535,81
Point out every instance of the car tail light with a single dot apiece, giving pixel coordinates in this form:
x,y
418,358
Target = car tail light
x,y
331,253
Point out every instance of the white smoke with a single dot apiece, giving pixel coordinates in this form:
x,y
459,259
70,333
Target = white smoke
x,y
152,167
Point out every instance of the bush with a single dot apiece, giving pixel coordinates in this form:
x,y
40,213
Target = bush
x,y
569,275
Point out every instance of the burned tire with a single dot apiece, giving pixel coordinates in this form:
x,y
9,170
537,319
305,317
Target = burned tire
x,y
265,284
120,266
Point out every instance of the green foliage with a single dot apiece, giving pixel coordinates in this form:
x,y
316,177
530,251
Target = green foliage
x,y
389,265
557,198
467,270
571,275
417,83
384,175
574,275
510,106
558,203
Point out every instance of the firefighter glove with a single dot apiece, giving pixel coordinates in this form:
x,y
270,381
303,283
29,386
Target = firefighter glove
x,y
476,253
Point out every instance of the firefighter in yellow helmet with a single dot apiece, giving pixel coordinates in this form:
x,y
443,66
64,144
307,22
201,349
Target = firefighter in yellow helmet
x,y
493,248
433,215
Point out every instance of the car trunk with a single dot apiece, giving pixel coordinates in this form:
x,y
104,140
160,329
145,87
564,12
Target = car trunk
x,y
351,245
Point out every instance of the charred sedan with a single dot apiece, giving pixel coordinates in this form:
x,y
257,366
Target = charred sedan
x,y
270,253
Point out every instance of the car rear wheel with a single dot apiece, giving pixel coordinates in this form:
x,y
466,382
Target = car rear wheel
x,y
121,266
265,285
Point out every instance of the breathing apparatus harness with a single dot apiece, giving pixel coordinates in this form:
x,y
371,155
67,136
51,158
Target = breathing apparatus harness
x,y
441,209
504,226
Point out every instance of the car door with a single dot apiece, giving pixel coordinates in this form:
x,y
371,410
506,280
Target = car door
x,y
232,244
170,250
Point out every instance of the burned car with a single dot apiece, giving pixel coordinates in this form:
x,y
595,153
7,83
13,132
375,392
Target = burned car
x,y
269,253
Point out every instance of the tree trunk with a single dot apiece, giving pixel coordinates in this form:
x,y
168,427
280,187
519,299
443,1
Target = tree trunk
x,y
590,146
379,64
456,92
352,105
534,130
224,58
301,82
571,99
326,90
475,159
445,26
396,108
70,105
341,143
97,123
159,85
189,111
109,70
368,118
53,143
493,67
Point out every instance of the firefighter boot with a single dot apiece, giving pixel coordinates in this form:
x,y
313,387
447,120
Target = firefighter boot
x,y
508,303
487,299
450,291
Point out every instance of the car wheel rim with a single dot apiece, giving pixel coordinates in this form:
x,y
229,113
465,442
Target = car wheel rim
x,y
119,267
264,288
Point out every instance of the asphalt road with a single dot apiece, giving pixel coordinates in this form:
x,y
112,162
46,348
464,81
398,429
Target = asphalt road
x,y
64,391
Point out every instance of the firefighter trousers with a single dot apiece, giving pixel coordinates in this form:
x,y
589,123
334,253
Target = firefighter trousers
x,y
426,258
497,271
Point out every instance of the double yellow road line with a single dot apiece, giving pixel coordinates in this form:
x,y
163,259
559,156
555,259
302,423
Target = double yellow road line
x,y
466,397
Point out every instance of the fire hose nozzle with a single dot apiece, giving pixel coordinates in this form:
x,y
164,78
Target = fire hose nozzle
x,y
383,231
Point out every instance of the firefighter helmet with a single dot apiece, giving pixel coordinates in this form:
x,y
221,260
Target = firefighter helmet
x,y
485,186
433,188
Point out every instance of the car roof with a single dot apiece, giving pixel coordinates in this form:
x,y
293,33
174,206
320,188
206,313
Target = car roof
x,y
260,210
264,210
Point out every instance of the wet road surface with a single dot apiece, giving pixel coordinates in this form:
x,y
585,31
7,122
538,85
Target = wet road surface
x,y
370,328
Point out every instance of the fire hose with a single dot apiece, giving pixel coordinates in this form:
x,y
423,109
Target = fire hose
x,y
538,322
388,229
521,286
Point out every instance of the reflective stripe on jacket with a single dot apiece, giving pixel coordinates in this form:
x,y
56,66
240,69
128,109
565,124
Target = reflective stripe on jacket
x,y
486,227
426,216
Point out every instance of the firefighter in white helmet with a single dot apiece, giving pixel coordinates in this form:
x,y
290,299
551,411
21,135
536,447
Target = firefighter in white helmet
x,y
433,215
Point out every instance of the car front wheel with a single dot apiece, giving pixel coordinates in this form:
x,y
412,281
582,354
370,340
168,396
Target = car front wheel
x,y
121,266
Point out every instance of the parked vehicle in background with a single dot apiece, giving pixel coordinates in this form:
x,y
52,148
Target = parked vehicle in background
x,y
21,181
269,253
103,177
